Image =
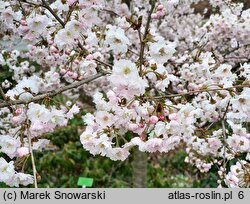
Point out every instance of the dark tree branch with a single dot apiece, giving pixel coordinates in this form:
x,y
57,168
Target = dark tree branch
x,y
143,39
54,92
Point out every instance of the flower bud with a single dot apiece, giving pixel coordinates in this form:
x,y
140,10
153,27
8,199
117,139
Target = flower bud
x,y
154,16
24,29
81,78
70,73
15,119
172,116
63,71
23,22
160,13
160,7
141,125
76,61
142,136
53,49
50,42
74,76
89,57
18,111
161,118
153,119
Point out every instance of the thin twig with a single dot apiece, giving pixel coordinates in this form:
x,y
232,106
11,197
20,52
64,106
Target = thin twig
x,y
111,12
143,39
6,100
45,5
2,94
224,142
104,63
54,92
225,113
23,11
32,159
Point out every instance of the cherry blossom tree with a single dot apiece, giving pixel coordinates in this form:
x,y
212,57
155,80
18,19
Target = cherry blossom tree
x,y
160,74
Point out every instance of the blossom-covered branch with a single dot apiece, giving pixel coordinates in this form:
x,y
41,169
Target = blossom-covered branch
x,y
51,93
150,63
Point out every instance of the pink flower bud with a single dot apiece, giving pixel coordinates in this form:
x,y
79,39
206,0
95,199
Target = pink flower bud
x,y
87,47
172,116
63,71
70,73
24,29
67,52
160,7
23,22
53,49
18,111
74,76
154,16
81,78
153,119
89,57
161,118
160,13
76,61
22,151
166,112
15,119
141,125
142,136
50,42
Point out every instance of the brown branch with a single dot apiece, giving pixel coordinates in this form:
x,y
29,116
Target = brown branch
x,y
6,100
143,39
111,12
45,5
32,159
3,94
54,92
224,142
103,63
225,113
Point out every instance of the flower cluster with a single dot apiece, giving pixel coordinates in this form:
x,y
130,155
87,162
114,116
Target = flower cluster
x,y
174,77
